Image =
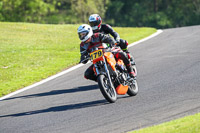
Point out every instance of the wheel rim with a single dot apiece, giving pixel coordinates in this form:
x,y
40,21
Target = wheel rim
x,y
134,86
109,89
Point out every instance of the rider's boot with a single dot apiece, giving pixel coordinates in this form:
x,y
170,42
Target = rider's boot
x,y
130,71
124,47
89,74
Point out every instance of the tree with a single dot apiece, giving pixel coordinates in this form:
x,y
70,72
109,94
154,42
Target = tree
x,y
24,10
157,13
82,9
134,13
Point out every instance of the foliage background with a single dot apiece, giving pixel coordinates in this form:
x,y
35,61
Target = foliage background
x,y
123,13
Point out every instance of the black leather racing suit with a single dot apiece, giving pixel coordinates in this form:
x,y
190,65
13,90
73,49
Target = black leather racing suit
x,y
97,39
107,29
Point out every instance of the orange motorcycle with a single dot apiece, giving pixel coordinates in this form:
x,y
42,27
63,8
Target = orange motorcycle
x,y
113,77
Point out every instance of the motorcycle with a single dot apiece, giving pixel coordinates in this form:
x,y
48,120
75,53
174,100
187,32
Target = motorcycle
x,y
112,76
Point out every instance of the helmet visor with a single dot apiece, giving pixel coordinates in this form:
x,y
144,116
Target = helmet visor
x,y
82,35
94,23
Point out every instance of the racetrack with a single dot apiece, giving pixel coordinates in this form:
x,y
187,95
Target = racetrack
x,y
169,87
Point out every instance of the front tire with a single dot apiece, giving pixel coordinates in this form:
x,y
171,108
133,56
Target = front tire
x,y
107,89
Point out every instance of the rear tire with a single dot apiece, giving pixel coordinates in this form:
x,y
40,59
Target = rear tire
x,y
133,89
134,69
107,89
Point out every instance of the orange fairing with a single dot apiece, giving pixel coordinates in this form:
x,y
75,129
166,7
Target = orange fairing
x,y
121,90
97,56
110,59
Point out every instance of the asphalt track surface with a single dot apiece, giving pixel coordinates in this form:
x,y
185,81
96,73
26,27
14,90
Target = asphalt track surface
x,y
169,88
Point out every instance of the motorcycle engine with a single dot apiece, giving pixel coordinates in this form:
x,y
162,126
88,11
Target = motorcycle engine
x,y
122,77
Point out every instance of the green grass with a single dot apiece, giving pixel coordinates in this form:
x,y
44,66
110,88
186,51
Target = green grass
x,y
32,52
188,124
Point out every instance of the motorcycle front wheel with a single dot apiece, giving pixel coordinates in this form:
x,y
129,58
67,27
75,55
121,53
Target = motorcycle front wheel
x,y
107,89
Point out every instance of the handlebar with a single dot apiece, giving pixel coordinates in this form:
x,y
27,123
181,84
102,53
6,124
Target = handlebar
x,y
87,58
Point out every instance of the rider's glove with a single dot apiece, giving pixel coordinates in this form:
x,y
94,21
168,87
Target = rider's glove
x,y
118,40
84,59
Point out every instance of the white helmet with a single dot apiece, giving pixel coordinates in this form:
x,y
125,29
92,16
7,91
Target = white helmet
x,y
84,32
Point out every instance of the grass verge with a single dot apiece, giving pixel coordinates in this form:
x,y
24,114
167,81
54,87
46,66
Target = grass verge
x,y
32,52
188,124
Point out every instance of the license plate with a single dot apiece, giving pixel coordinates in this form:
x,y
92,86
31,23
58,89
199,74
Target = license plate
x,y
96,54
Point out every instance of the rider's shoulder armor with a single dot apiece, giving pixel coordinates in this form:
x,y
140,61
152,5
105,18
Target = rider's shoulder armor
x,y
105,29
96,38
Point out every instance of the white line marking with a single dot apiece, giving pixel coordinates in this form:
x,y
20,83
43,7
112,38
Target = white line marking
x,y
70,69
41,82
147,38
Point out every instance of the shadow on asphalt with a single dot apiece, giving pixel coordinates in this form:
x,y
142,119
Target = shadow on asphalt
x,y
57,92
63,107
60,108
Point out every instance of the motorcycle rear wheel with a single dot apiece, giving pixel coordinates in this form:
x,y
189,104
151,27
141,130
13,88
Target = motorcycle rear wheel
x,y
134,69
133,89
107,89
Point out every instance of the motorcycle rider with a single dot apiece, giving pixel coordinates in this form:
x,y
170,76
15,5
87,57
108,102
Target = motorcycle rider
x,y
89,39
95,22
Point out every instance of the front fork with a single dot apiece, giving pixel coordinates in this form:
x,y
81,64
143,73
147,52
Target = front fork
x,y
106,69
